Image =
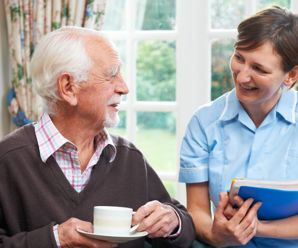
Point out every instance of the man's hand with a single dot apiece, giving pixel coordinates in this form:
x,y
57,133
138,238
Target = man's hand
x,y
158,219
69,237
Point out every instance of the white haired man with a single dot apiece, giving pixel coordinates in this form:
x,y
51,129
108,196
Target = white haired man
x,y
53,172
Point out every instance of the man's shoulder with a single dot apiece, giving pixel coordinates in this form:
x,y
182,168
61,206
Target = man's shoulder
x,y
121,142
127,151
18,139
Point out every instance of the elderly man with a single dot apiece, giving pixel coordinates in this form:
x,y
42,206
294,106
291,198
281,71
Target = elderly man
x,y
53,173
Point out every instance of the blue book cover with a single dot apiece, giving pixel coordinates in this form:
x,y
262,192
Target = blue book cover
x,y
279,198
276,203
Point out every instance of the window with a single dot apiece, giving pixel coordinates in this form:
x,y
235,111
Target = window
x,y
145,33
176,58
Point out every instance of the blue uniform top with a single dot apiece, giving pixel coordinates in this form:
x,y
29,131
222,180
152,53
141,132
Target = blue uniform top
x,y
221,142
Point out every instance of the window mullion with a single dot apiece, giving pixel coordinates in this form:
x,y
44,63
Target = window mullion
x,y
131,67
250,7
156,35
193,65
294,6
222,33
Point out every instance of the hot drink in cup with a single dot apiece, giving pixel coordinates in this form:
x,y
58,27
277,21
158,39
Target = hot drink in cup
x,y
112,220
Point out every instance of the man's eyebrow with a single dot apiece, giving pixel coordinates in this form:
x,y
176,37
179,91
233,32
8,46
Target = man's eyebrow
x,y
114,70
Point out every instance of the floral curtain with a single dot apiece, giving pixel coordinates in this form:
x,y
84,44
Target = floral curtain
x,y
27,22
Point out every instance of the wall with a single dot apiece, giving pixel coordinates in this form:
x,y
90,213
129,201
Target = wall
x,y
4,74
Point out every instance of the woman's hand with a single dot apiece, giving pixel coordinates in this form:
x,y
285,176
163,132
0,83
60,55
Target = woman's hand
x,y
234,226
230,209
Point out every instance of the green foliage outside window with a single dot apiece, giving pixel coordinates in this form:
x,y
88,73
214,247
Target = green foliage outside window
x,y
156,71
221,74
267,3
158,15
156,80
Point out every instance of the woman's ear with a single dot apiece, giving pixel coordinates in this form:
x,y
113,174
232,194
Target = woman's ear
x,y
292,77
67,89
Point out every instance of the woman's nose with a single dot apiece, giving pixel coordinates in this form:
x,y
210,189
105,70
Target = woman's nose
x,y
243,75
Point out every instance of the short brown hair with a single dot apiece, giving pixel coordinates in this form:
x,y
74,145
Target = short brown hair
x,y
276,25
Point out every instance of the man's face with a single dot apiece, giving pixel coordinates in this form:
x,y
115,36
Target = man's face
x,y
100,96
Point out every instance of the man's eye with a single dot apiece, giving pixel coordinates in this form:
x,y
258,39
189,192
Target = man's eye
x,y
114,75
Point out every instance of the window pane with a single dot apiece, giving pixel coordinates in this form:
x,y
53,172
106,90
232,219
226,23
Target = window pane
x,y
226,14
221,75
156,14
262,4
156,71
171,187
115,12
156,137
121,127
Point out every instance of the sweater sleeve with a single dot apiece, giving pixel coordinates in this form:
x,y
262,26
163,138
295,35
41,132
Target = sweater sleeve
x,y
158,192
42,237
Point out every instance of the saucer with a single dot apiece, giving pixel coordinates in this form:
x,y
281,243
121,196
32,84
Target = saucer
x,y
114,238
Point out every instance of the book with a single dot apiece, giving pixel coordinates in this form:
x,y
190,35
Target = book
x,y
279,198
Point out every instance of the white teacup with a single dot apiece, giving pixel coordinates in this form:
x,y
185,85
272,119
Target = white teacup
x,y
112,220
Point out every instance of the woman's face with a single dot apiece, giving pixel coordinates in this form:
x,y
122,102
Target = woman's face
x,y
258,77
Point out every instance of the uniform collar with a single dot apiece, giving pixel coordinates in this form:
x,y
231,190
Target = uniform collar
x,y
285,107
231,108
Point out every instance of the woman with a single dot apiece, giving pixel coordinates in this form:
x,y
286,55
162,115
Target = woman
x,y
251,132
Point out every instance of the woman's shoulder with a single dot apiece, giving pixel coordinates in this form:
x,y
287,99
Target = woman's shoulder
x,y
213,110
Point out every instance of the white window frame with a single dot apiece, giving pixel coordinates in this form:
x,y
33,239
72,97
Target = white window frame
x,y
193,67
189,91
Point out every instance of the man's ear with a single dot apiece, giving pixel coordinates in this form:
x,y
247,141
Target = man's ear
x,y
67,89
292,77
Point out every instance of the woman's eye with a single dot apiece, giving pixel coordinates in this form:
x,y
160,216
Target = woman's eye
x,y
238,57
258,69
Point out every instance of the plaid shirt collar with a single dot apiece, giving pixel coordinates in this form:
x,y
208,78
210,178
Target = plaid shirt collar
x,y
50,139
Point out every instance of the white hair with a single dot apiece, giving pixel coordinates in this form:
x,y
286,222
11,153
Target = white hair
x,y
60,51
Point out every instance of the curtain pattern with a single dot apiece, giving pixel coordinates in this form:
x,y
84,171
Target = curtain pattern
x,y
27,22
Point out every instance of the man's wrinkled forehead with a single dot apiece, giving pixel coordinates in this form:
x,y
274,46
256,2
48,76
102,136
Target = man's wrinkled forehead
x,y
114,65
100,48
98,44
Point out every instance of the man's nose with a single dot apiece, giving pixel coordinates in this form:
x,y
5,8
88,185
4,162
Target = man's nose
x,y
121,86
